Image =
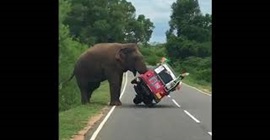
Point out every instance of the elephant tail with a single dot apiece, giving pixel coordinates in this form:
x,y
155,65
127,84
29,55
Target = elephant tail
x,y
61,84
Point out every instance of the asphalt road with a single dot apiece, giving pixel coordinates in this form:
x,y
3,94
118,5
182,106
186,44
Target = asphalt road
x,y
185,115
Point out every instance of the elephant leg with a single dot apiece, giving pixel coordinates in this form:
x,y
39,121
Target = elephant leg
x,y
84,88
115,87
92,86
84,99
120,85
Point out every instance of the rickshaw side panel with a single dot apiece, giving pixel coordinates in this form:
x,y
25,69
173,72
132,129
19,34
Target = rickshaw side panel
x,y
154,84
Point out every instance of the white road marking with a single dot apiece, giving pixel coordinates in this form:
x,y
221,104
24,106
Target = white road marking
x,y
124,86
93,137
210,133
176,103
191,116
198,90
196,120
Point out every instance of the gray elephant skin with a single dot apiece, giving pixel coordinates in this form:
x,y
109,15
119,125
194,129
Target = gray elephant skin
x,y
107,61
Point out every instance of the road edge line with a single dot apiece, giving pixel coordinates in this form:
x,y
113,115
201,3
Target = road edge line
x,y
93,137
198,89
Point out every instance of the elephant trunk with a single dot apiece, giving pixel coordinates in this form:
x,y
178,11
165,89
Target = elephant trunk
x,y
143,70
140,68
139,64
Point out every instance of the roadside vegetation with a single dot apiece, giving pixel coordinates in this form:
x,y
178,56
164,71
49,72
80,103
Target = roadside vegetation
x,y
83,23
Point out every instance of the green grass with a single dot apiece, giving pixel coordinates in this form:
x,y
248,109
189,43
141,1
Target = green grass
x,y
202,85
73,120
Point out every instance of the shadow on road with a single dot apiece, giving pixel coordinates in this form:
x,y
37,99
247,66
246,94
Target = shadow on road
x,y
144,106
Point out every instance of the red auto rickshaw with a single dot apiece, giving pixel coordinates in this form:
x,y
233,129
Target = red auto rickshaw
x,y
155,84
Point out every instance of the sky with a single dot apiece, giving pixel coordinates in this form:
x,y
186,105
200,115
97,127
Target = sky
x,y
159,12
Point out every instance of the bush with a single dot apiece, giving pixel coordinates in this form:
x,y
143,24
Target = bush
x,y
69,50
153,54
199,68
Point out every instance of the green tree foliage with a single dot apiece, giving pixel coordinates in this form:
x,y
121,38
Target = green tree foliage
x,y
153,53
95,21
139,30
88,22
188,22
189,39
69,50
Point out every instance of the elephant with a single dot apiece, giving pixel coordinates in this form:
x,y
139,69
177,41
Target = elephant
x,y
107,61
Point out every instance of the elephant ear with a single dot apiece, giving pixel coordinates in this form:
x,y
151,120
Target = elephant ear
x,y
123,52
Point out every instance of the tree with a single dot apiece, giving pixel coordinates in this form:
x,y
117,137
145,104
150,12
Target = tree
x,y
189,40
139,30
69,50
94,21
189,30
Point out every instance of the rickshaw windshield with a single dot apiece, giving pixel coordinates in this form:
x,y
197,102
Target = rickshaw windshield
x,y
165,73
169,68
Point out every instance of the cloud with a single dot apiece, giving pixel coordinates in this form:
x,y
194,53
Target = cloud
x,y
206,6
159,12
158,34
156,10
